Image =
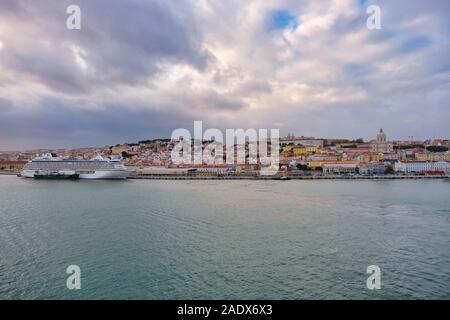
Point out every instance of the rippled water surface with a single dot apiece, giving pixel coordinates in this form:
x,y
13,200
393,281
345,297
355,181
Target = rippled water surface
x,y
224,239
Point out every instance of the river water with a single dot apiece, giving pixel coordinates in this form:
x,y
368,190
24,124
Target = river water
x,y
152,239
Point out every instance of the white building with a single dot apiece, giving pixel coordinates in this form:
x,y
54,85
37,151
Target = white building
x,y
372,168
339,167
422,166
216,169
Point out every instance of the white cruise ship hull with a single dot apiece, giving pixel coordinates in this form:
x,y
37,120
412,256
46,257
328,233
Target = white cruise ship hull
x,y
27,173
98,174
105,174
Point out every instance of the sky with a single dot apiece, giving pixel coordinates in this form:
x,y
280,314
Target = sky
x,y
141,69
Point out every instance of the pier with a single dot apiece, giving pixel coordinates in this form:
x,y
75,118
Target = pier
x,y
315,177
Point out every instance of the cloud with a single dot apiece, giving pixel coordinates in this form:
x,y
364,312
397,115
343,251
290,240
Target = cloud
x,y
141,69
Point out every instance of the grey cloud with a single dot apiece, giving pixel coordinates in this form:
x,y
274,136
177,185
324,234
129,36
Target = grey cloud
x,y
60,124
217,101
124,42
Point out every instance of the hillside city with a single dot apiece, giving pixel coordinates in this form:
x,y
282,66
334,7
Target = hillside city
x,y
298,155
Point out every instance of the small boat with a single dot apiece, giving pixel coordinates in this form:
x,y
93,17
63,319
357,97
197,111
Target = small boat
x,y
284,178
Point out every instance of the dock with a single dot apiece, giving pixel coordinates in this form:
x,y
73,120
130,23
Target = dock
x,y
276,177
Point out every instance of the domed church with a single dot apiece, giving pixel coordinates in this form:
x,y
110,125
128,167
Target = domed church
x,y
381,145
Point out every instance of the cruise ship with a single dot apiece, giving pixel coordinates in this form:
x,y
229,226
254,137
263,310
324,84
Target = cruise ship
x,y
96,168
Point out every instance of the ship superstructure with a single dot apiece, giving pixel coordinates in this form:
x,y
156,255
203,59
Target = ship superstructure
x,y
96,168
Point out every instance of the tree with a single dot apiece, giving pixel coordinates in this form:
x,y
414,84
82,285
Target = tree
x,y
389,170
410,146
437,148
303,167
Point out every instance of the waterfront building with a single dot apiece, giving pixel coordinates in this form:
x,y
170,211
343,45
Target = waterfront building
x,y
381,145
372,168
155,170
339,167
430,156
422,166
12,165
213,169
313,165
